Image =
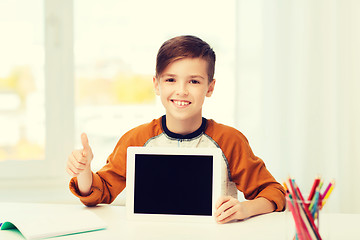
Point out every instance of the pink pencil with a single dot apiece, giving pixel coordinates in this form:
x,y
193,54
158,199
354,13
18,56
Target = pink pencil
x,y
327,189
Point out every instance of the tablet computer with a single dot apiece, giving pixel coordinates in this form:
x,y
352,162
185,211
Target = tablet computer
x,y
173,184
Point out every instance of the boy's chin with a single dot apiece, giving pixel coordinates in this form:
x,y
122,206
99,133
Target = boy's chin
x,y
183,116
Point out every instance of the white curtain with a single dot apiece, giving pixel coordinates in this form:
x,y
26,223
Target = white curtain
x,y
298,85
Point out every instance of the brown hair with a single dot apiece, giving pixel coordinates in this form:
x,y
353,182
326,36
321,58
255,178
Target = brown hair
x,y
185,47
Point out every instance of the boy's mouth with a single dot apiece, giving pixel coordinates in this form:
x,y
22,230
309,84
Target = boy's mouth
x,y
181,103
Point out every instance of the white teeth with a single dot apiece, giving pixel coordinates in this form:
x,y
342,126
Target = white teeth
x,y
181,103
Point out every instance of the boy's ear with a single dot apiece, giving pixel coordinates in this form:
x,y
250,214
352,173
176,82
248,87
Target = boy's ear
x,y
211,88
156,86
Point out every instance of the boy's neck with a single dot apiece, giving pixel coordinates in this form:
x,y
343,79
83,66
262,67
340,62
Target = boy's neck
x,y
183,127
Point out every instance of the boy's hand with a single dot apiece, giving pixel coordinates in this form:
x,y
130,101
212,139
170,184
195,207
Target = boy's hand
x,y
79,160
229,208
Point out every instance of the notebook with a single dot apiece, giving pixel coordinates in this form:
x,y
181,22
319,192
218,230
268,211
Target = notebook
x,y
39,221
172,184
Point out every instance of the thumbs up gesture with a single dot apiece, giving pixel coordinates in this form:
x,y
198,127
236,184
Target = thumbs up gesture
x,y
79,160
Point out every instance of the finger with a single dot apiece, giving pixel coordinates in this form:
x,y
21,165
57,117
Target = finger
x,y
85,144
75,165
70,172
77,157
228,203
228,212
70,166
227,219
223,208
221,200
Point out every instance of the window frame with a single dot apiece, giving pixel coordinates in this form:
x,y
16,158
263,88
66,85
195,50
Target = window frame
x,y
59,100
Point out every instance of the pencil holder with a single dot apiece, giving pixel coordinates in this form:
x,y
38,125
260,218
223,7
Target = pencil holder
x,y
306,218
306,213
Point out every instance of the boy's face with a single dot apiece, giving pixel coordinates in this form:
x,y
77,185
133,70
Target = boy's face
x,y
182,87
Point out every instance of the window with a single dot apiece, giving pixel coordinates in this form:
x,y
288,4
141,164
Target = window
x,y
86,66
21,81
22,109
36,68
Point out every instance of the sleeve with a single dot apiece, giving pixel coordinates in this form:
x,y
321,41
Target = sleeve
x,y
96,195
247,171
110,180
251,175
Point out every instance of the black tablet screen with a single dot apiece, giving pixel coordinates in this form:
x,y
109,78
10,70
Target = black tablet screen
x,y
173,184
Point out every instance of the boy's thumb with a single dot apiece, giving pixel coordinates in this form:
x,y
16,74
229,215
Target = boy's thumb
x,y
85,144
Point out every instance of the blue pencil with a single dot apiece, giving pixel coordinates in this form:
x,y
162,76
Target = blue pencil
x,y
316,202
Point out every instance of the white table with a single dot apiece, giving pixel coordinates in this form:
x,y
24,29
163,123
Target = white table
x,y
269,226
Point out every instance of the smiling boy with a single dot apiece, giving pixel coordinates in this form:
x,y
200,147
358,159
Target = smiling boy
x,y
184,77
182,87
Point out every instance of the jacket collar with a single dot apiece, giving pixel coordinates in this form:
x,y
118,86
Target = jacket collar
x,y
192,135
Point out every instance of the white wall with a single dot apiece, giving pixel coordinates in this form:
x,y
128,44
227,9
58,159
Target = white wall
x,y
298,79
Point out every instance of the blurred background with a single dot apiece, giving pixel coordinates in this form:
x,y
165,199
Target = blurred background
x,y
288,77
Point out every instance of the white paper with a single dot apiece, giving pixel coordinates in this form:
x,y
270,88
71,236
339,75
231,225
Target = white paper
x,y
36,221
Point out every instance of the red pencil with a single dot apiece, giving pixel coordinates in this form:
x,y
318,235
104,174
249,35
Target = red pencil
x,y
313,188
305,207
298,227
301,196
310,230
297,209
308,215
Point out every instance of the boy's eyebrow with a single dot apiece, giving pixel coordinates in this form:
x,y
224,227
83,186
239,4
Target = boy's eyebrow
x,y
197,76
167,75
174,75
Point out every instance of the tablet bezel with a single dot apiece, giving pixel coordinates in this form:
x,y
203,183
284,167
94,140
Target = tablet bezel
x,y
130,173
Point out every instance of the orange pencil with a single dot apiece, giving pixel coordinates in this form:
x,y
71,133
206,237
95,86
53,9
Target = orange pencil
x,y
285,186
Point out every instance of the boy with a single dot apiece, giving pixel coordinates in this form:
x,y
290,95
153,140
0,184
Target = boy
x,y
184,77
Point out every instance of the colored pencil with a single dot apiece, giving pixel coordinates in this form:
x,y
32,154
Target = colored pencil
x,y
327,189
327,196
306,212
309,221
285,186
301,196
299,232
309,229
313,188
321,184
297,209
308,215
315,203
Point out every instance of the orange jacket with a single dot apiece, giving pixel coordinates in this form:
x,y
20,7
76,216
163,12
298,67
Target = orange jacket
x,y
245,171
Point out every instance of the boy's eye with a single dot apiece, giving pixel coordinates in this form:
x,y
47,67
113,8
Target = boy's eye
x,y
170,80
194,81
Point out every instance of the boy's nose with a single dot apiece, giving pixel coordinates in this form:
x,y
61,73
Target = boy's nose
x,y
182,89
